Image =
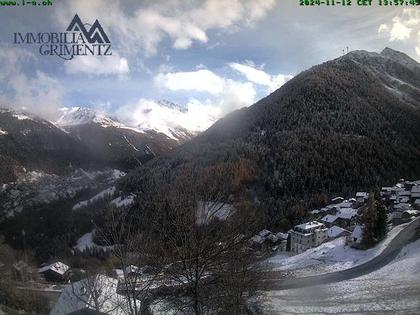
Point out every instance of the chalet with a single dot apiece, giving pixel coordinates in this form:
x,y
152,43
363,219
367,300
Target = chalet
x,y
402,207
386,191
408,214
337,200
344,204
279,241
336,231
415,196
402,199
404,193
97,295
264,233
56,272
356,236
415,189
307,235
361,196
267,240
347,213
329,219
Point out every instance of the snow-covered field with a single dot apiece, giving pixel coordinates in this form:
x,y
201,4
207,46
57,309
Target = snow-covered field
x,y
393,289
328,257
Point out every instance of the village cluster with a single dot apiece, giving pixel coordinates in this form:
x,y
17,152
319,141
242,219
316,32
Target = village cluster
x,y
343,218
340,218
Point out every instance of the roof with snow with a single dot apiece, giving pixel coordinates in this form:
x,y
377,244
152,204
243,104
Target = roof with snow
x,y
357,233
336,231
309,225
264,233
404,193
282,236
347,213
415,189
80,296
361,194
344,204
57,267
329,218
258,239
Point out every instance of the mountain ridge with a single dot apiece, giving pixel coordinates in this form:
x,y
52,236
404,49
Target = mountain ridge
x,y
332,129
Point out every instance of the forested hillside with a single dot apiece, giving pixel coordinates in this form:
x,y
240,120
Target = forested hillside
x,y
348,124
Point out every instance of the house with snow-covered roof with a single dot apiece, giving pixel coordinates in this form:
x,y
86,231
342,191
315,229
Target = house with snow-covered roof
x,y
361,196
94,295
56,272
329,219
336,231
347,213
337,200
356,237
307,235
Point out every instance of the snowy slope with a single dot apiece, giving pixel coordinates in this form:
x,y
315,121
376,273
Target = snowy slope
x,y
152,117
393,289
72,116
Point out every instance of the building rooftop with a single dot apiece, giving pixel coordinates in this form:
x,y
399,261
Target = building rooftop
x,y
309,225
57,267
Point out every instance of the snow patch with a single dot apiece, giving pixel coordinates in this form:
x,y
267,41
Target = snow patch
x,y
3,132
121,202
102,195
21,116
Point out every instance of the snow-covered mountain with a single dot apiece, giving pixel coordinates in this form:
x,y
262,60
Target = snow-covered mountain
x,y
72,116
162,117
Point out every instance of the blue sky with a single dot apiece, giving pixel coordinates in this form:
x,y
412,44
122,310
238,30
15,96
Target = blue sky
x,y
211,56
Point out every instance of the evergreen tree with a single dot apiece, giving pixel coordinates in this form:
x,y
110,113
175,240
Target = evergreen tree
x,y
380,229
369,221
374,220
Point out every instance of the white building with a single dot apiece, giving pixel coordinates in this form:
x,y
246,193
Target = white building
x,y
307,235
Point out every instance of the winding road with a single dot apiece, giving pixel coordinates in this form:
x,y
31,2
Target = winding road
x,y
405,236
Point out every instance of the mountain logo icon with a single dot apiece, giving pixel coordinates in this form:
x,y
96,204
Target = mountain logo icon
x,y
95,35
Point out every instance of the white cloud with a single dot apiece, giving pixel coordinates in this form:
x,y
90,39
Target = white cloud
x,y
402,27
94,65
399,31
148,114
37,93
225,94
383,28
201,80
183,22
261,77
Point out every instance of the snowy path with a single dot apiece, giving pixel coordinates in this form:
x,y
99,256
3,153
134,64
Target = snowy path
x,y
393,289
